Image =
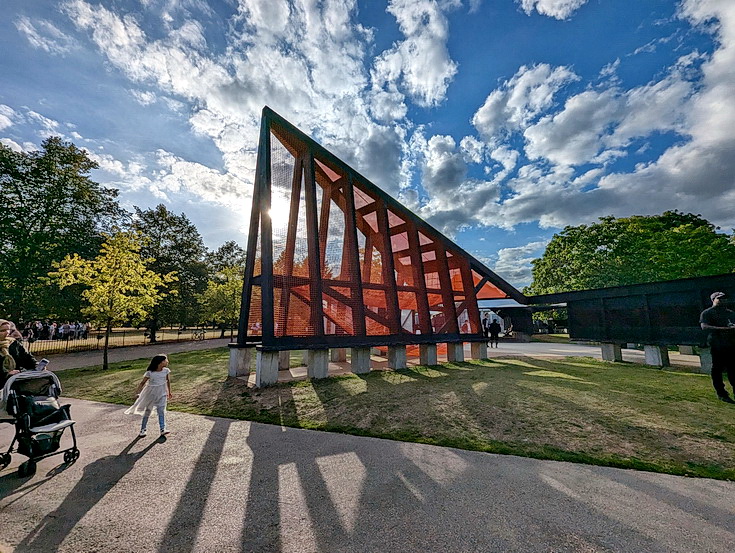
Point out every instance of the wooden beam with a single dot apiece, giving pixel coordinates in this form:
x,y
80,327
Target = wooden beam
x,y
293,219
353,257
312,238
389,277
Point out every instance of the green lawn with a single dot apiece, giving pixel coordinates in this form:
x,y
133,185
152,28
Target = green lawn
x,y
579,409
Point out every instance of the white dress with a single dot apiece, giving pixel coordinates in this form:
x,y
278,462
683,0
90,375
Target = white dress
x,y
154,394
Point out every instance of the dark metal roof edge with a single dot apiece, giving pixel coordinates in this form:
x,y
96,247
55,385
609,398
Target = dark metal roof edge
x,y
512,292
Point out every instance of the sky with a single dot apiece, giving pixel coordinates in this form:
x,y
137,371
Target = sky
x,y
497,121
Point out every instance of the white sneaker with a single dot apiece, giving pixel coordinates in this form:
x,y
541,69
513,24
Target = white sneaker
x,y
165,432
143,433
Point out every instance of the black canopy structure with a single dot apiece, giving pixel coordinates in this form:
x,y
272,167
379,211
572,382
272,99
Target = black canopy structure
x,y
657,313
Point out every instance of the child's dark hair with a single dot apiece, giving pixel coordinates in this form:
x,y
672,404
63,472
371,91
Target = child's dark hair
x,y
157,360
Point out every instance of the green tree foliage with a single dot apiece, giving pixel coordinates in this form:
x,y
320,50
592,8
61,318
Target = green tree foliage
x,y
175,245
50,208
222,298
228,255
632,250
119,286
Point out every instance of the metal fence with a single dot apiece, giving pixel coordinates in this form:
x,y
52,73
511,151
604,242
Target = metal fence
x,y
95,340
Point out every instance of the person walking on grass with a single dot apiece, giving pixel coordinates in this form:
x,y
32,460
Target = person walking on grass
x,y
153,391
719,323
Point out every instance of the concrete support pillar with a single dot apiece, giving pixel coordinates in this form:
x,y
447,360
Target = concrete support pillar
x,y
427,354
284,360
338,354
266,368
241,361
317,365
360,360
397,357
305,357
455,352
705,360
658,356
611,352
686,350
479,350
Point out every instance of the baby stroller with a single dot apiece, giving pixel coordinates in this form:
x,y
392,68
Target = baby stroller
x,y
30,402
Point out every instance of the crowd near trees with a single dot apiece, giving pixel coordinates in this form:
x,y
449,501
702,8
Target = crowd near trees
x,y
71,252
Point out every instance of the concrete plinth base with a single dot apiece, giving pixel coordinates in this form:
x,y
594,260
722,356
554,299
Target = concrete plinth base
x,y
317,363
658,356
266,368
427,354
360,360
284,360
521,337
611,352
705,361
479,350
397,357
686,350
338,354
241,361
455,352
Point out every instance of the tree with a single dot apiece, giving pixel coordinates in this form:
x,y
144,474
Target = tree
x,y
175,245
119,285
223,296
226,256
632,250
50,208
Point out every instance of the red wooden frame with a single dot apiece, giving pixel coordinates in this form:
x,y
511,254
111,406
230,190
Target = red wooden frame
x,y
333,261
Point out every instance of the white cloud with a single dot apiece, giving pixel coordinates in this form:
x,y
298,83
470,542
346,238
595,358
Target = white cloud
x,y
420,62
514,264
309,68
144,97
12,144
44,35
559,9
7,116
520,100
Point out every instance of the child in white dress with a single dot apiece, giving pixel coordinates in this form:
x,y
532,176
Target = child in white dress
x,y
153,391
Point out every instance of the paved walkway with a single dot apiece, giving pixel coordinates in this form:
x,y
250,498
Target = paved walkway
x,y
234,486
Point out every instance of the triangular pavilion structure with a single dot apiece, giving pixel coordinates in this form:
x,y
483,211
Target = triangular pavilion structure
x,y
334,262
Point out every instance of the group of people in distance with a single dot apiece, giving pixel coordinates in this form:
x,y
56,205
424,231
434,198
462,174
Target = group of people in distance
x,y
51,330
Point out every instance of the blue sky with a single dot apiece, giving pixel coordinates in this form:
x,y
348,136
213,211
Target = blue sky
x,y
498,121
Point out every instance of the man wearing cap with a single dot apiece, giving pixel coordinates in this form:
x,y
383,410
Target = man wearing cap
x,y
719,323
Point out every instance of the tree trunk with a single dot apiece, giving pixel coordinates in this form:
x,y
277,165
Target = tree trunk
x,y
108,330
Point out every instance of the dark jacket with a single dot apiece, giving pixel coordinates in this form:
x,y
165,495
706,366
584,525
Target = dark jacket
x,y
24,361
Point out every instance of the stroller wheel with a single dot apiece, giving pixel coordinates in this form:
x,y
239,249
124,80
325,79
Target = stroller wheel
x,y
4,460
27,469
71,456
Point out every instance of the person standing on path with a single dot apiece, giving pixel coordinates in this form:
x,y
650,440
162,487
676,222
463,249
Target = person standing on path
x,y
494,331
153,391
719,323
486,320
